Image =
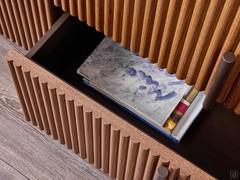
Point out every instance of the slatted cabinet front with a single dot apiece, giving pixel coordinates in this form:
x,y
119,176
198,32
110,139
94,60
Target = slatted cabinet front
x,y
89,129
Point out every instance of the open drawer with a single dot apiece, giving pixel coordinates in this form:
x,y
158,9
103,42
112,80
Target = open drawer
x,y
55,100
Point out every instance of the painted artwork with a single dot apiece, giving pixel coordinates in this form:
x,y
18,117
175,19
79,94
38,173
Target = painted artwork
x,y
133,82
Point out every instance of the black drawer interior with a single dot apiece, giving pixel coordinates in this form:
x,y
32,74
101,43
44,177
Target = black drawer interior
x,y
212,142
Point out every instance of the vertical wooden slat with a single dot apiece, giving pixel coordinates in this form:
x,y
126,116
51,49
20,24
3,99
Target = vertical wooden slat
x,y
138,14
30,21
231,40
169,29
88,123
24,22
237,109
42,15
99,15
97,141
108,17
7,20
64,4
122,156
48,105
19,24
80,131
56,114
234,95
57,3
114,146
72,125
25,94
127,23
81,5
191,39
64,118
141,162
18,88
39,97
148,27
72,7
36,18
117,20
232,75
3,25
132,158
1,32
90,12
106,130
174,172
151,166
218,35
48,11
33,99
179,35
13,22
204,40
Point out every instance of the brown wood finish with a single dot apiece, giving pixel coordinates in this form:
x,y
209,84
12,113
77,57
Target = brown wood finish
x,y
117,20
186,37
113,142
80,131
127,22
25,21
97,125
105,147
138,15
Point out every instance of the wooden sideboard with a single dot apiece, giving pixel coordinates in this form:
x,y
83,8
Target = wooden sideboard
x,y
55,100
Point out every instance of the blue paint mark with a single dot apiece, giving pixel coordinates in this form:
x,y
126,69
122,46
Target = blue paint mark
x,y
176,82
148,79
142,75
154,86
142,87
131,71
166,97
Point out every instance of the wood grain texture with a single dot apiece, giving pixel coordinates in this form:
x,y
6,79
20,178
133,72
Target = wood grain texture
x,y
97,124
81,10
191,38
114,149
72,125
117,20
108,17
219,34
186,37
26,152
168,33
231,41
106,130
127,22
88,124
179,36
138,14
80,131
148,27
118,126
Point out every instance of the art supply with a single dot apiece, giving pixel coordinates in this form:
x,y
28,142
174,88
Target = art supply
x,y
151,94
179,111
221,74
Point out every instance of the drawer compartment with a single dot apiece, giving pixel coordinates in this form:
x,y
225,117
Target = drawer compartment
x,y
55,100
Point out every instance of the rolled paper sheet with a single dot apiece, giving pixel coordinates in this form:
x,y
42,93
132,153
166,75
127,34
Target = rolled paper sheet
x,y
220,76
